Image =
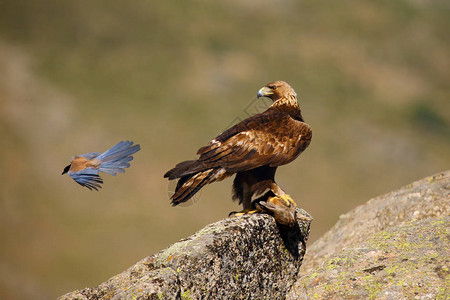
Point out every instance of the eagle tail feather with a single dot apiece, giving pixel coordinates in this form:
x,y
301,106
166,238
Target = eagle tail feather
x,y
185,168
189,185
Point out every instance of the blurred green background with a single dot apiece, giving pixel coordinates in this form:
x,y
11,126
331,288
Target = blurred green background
x,y
78,76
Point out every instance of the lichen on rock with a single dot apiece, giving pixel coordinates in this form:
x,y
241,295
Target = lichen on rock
x,y
395,246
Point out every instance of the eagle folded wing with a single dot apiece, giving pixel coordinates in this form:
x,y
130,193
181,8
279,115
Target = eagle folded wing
x,y
266,139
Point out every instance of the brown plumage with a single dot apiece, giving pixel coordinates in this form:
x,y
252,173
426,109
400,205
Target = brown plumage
x,y
253,149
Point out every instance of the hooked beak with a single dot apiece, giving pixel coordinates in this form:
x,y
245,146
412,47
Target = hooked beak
x,y
264,92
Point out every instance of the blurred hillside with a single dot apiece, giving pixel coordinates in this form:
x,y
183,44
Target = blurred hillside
x,y
79,76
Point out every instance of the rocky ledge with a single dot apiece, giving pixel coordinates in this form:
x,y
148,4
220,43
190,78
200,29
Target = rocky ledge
x,y
241,257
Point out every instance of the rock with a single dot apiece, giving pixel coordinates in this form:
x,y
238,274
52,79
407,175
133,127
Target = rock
x,y
239,257
393,247
404,262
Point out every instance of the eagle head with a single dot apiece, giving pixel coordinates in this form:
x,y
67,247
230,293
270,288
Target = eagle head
x,y
276,90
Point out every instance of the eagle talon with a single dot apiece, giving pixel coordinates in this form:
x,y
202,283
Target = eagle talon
x,y
283,201
287,199
243,212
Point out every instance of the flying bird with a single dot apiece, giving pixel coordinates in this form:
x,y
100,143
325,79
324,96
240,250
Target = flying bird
x,y
84,168
253,149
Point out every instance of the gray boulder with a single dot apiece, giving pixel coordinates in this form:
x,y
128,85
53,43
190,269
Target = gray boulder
x,y
395,246
240,257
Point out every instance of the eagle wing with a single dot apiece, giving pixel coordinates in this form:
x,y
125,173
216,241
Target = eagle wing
x,y
271,139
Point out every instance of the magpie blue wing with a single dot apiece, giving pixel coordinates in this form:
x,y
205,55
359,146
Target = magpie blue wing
x,y
87,177
90,155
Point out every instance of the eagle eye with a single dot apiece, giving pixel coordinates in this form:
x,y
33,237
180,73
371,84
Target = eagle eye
x,y
272,87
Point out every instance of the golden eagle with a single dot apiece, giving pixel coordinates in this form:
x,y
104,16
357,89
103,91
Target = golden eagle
x,y
251,149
